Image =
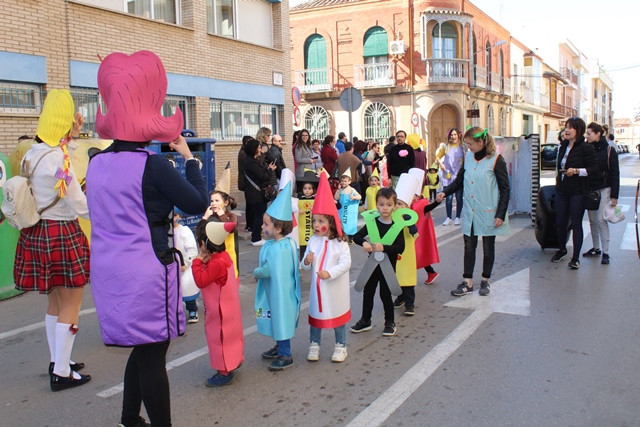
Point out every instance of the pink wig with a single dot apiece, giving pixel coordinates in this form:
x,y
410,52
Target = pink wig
x,y
133,88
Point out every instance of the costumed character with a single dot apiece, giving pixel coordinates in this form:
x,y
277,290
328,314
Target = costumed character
x,y
214,273
433,182
426,243
349,201
306,198
277,302
8,236
131,193
372,190
329,258
185,242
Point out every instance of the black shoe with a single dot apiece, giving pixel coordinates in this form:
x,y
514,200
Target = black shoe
x,y
281,363
360,326
574,263
399,302
409,310
389,329
462,289
60,383
140,423
605,259
592,252
74,367
272,353
484,288
561,253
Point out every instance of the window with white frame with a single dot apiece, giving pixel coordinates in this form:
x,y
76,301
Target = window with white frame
x,y
159,10
186,105
18,97
86,101
231,120
476,120
503,121
490,120
316,120
377,122
221,17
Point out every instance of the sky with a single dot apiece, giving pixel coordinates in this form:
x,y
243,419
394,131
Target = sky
x,y
602,31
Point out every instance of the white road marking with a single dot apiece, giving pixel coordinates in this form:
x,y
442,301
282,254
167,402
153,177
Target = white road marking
x,y
508,295
34,326
629,242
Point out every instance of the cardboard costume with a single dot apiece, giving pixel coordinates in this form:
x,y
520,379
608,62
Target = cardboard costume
x,y
231,241
220,293
277,301
406,265
349,207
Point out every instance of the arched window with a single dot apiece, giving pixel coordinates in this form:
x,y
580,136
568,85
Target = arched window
x,y
490,120
503,121
476,120
315,60
316,120
376,50
377,122
445,40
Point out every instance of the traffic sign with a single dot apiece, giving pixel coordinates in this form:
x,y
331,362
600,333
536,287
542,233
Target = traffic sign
x,y
350,99
415,120
295,96
297,117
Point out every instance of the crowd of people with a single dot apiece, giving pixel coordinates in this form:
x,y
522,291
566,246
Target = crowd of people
x,y
143,264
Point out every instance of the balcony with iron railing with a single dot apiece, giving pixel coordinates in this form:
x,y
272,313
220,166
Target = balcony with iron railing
x,y
447,70
479,77
367,76
559,110
570,75
506,86
314,79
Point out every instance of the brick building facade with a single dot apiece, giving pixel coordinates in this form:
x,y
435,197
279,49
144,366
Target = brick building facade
x,y
228,66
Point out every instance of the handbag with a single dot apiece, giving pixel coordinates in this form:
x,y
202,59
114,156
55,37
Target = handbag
x,y
591,200
268,193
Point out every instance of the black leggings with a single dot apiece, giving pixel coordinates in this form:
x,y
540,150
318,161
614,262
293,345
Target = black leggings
x,y
488,252
370,292
145,380
569,206
258,210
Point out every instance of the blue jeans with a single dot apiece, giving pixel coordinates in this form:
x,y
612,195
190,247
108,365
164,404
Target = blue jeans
x,y
449,204
284,348
341,334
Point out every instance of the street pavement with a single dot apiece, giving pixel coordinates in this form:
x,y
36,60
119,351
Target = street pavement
x,y
549,346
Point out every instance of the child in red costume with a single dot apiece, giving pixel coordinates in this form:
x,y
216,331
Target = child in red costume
x,y
214,273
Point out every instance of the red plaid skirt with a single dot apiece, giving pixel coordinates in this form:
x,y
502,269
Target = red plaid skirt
x,y
51,253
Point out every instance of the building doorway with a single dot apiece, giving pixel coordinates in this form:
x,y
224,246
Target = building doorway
x,y
443,118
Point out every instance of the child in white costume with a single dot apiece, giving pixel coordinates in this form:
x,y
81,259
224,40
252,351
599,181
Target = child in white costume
x,y
329,258
185,242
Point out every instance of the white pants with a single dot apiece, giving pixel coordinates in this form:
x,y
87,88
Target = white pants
x,y
600,227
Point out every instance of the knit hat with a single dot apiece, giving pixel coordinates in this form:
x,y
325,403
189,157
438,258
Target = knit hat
x,y
280,208
56,119
419,175
406,188
324,202
218,231
133,87
224,183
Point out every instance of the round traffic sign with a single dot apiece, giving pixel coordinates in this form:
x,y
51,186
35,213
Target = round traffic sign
x,y
295,96
415,120
297,117
350,99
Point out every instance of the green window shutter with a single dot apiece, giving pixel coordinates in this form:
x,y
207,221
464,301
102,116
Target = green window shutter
x,y
315,52
376,42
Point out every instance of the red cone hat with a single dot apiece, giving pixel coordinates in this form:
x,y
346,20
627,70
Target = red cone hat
x,y
324,202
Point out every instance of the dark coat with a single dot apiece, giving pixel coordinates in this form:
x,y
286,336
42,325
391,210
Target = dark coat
x,y
581,156
608,168
260,175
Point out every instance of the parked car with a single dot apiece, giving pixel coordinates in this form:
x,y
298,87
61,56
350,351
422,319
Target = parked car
x,y
548,155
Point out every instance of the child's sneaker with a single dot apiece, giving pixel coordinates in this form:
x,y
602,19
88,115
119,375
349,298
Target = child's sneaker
x,y
339,353
462,289
281,363
193,317
272,353
409,310
399,302
360,326
314,352
431,277
389,329
218,380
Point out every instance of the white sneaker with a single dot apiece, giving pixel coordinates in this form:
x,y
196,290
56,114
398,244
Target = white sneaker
x,y
447,221
339,353
314,352
456,221
258,243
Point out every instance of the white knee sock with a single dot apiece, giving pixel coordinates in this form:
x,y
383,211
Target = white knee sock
x,y
50,325
64,345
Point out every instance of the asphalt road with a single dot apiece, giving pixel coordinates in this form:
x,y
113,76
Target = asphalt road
x,y
550,346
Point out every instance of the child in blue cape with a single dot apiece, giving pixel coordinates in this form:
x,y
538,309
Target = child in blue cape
x,y
277,302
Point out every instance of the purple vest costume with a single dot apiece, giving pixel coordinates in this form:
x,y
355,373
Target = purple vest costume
x,y
138,298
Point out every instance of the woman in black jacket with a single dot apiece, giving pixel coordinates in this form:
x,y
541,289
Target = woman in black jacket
x,y
576,163
257,174
607,183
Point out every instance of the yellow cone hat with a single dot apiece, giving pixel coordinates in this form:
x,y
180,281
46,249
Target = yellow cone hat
x,y
56,119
